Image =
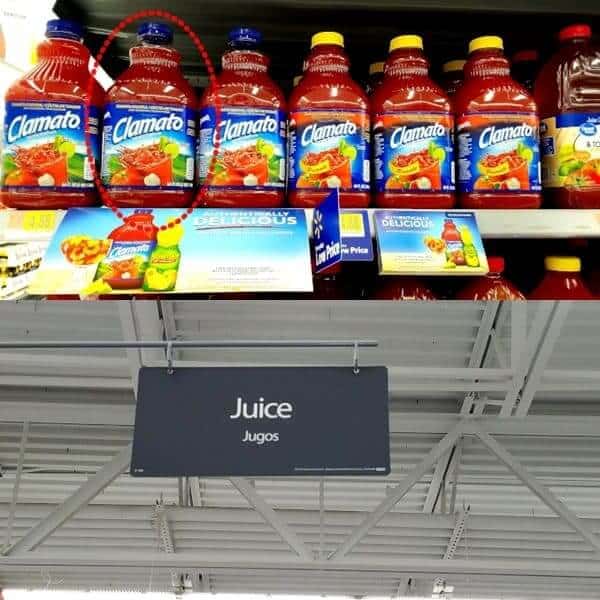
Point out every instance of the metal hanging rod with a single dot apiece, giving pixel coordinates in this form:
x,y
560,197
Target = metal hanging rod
x,y
16,345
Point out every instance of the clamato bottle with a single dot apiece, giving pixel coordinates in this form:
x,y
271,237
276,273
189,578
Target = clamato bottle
x,y
149,138
452,76
497,131
568,93
249,170
328,130
44,156
562,280
413,128
493,286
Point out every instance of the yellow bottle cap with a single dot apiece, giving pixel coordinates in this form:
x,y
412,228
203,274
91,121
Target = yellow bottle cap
x,y
563,264
406,41
169,237
486,42
376,67
453,65
327,37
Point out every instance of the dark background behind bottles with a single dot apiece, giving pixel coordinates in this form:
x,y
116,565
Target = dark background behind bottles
x,y
368,25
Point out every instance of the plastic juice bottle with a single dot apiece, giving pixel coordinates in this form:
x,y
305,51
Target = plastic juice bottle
x,y
149,139
161,274
492,286
497,129
562,280
470,252
568,93
455,249
328,130
250,168
413,130
525,67
452,76
133,243
402,288
375,76
44,156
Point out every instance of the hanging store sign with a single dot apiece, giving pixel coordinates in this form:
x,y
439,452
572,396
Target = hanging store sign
x,y
263,421
93,252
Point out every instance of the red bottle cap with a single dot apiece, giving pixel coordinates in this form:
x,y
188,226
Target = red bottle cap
x,y
496,264
525,56
575,31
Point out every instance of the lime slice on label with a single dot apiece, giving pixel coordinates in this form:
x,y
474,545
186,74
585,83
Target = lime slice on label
x,y
67,148
265,148
348,151
526,154
171,149
438,154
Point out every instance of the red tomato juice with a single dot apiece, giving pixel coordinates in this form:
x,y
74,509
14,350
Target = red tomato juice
x,y
497,130
149,138
413,128
329,130
44,155
249,171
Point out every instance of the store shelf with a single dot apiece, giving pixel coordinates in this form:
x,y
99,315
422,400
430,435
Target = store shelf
x,y
493,224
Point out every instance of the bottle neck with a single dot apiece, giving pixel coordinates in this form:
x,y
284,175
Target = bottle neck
x,y
60,58
327,60
158,59
245,61
406,62
487,63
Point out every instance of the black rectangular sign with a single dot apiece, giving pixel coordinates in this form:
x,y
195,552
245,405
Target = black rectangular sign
x,y
246,421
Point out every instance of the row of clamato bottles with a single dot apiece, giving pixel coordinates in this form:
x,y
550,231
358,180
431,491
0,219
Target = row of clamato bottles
x,y
152,154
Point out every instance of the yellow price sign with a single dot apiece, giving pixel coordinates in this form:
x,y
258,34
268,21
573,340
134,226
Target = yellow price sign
x,y
352,225
39,221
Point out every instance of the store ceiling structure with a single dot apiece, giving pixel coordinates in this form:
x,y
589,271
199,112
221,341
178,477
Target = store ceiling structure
x,y
495,443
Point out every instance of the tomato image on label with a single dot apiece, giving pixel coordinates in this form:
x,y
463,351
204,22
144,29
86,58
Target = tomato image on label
x,y
329,168
417,171
505,171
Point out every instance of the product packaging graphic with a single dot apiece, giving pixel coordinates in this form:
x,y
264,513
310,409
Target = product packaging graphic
x,y
329,149
429,243
499,153
44,146
413,152
214,251
148,146
251,148
570,146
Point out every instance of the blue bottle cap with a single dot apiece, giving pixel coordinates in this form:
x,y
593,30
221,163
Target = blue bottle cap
x,y
155,33
61,28
244,37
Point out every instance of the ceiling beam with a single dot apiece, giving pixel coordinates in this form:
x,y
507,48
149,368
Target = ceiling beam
x,y
87,492
272,518
540,490
555,323
396,494
269,561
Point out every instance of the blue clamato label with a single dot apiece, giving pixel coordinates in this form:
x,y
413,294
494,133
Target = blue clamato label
x,y
148,146
251,147
329,149
413,152
44,145
499,153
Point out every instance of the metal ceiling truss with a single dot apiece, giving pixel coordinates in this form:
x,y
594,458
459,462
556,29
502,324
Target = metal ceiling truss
x,y
518,376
